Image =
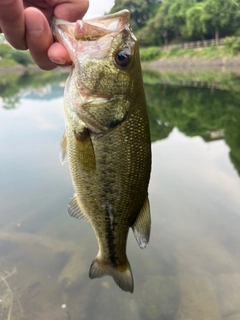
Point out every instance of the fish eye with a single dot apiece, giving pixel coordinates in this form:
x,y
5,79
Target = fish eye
x,y
122,58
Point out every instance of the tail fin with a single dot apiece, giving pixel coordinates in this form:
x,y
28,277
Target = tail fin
x,y
122,274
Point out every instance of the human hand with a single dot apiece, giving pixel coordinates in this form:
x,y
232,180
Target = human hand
x,y
25,24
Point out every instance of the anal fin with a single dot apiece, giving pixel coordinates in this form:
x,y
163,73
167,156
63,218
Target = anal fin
x,y
142,226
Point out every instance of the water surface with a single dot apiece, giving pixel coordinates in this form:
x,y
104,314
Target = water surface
x,y
190,270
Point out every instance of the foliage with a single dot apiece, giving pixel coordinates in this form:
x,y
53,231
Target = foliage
x,y
147,38
150,53
5,55
158,30
7,62
232,44
194,23
211,52
10,56
5,51
177,14
141,10
219,14
22,57
161,22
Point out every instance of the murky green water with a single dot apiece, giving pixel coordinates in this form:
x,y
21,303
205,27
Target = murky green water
x,y
190,270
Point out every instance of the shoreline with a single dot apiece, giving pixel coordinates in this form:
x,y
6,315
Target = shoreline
x,y
194,64
18,69
184,65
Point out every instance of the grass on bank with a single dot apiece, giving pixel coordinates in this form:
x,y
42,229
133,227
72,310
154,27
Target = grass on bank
x,y
230,48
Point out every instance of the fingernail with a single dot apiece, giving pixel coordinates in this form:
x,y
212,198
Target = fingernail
x,y
34,26
59,60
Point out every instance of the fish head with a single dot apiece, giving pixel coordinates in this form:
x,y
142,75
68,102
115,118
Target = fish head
x,y
104,53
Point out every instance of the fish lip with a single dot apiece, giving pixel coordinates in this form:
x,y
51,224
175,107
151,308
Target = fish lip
x,y
115,22
86,36
57,23
59,26
122,13
94,28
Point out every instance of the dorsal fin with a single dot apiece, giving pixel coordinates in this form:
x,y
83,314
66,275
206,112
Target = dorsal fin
x,y
74,210
63,149
142,226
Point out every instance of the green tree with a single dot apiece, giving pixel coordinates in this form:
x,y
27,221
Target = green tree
x,y
168,22
161,25
141,10
157,30
172,15
195,25
156,21
219,14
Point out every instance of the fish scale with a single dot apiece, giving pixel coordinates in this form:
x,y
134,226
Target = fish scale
x,y
107,138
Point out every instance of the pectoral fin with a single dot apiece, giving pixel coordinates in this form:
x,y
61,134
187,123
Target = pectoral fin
x,y
63,149
85,152
142,226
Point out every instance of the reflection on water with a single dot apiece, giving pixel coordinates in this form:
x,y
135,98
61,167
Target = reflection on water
x,y
190,270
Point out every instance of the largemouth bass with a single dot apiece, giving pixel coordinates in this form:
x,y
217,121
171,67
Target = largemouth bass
x,y
107,138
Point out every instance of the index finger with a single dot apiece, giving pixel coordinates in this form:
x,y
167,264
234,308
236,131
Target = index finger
x,y
12,23
70,10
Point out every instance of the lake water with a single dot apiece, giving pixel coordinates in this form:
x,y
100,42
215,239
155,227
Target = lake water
x,y
191,268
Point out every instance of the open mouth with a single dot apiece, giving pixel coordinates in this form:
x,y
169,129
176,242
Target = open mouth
x,y
90,38
91,29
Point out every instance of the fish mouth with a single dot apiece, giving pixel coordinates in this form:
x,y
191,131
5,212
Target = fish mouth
x,y
91,36
91,29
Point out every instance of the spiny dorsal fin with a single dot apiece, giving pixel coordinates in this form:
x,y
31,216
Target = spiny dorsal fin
x,y
63,149
74,210
142,226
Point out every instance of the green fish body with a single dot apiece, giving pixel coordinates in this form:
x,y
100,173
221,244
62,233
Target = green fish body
x,y
107,138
